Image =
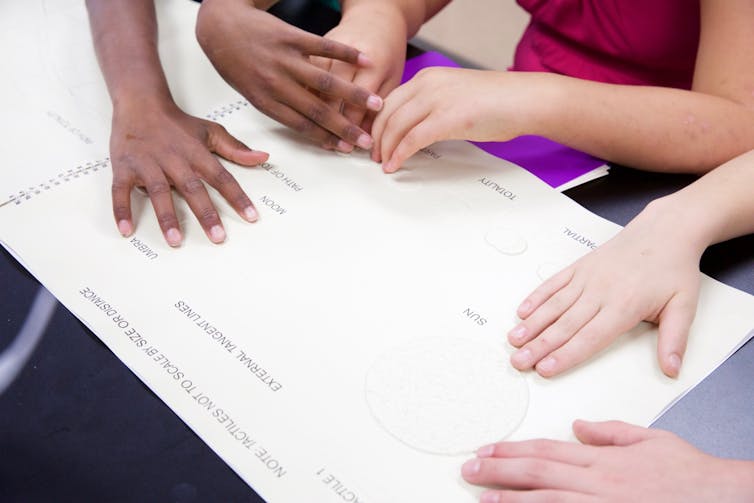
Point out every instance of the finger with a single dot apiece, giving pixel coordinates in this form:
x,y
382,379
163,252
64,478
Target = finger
x,y
545,315
544,292
158,189
425,133
313,45
554,450
122,185
398,125
535,352
319,113
368,123
220,178
330,84
675,322
191,187
221,142
524,473
615,433
596,335
394,102
372,82
539,496
303,125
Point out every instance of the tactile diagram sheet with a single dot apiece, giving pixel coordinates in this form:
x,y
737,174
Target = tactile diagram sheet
x,y
350,346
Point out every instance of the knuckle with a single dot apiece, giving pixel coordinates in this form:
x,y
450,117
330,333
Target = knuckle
x,y
208,216
325,82
304,126
120,211
241,200
533,470
351,133
317,112
120,186
167,220
158,188
192,185
328,47
223,178
359,95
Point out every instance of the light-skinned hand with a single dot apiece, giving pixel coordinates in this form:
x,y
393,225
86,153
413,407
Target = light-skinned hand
x,y
615,462
449,104
648,272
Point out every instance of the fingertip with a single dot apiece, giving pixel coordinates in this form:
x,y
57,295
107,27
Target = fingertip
x,y
252,157
521,359
250,214
672,365
471,468
173,237
363,60
365,141
517,335
390,167
374,103
217,234
524,309
344,147
547,367
125,228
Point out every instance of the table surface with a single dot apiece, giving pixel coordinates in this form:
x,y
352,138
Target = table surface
x,y
77,425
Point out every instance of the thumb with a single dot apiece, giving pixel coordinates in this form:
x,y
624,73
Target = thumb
x,y
611,433
224,144
675,322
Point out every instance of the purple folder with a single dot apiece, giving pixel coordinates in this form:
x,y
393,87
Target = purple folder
x,y
552,162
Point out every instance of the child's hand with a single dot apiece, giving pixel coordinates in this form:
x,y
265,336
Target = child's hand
x,y
267,61
445,104
647,272
615,462
159,146
379,31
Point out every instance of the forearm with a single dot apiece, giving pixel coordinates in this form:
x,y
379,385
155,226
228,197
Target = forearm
x,y
715,208
651,128
720,203
413,12
125,40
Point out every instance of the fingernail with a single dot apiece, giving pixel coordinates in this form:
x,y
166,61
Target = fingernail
x,y
517,334
250,214
546,365
217,234
173,236
388,167
344,147
486,451
374,102
363,60
471,467
490,497
365,141
522,358
524,307
124,227
674,364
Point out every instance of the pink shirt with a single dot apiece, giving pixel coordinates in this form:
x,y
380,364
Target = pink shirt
x,y
650,42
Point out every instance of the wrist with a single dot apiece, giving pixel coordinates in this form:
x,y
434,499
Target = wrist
x,y
402,19
736,479
149,101
680,222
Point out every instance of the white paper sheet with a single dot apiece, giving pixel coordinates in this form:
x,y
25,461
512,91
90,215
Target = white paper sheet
x,y
263,345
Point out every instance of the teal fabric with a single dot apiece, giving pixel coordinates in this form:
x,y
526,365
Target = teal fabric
x,y
333,4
